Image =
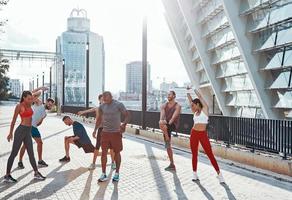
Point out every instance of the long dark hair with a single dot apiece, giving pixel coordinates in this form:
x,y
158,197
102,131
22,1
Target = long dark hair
x,y
197,101
25,94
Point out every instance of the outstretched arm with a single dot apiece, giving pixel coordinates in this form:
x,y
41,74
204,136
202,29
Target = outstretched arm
x,y
38,90
91,110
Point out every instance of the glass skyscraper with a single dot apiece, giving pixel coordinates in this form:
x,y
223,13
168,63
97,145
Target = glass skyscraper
x,y
73,45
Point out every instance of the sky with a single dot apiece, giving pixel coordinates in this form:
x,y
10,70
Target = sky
x,y
35,25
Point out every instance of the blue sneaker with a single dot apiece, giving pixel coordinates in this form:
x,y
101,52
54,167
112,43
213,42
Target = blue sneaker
x,y
103,178
116,177
113,166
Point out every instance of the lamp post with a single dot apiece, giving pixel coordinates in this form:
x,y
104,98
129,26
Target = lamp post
x,y
144,73
63,81
37,81
51,82
43,92
87,76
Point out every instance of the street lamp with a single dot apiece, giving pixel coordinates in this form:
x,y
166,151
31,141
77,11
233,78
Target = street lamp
x,y
43,92
144,73
87,76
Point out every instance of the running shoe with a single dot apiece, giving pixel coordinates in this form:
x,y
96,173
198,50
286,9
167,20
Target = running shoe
x,y
116,177
42,163
65,159
220,178
9,179
92,166
20,165
171,167
103,178
195,177
113,166
39,176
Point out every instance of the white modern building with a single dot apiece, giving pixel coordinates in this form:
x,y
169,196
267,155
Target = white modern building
x,y
73,45
239,52
134,77
15,87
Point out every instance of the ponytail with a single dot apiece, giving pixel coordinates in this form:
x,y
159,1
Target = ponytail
x,y
25,94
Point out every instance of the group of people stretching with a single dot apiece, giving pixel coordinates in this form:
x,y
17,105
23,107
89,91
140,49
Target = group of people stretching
x,y
108,132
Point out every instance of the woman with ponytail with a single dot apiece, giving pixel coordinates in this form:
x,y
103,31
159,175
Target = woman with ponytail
x,y
199,134
22,135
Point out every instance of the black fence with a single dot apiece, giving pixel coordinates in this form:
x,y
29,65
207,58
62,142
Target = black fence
x,y
273,136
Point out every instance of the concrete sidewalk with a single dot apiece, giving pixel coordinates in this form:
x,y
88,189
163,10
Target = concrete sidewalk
x,y
142,173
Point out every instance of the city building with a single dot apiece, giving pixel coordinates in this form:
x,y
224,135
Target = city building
x,y
73,45
238,52
134,77
15,87
164,86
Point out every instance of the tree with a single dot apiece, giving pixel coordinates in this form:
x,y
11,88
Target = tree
x,y
4,80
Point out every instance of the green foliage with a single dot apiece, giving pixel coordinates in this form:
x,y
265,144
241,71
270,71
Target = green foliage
x,y
4,80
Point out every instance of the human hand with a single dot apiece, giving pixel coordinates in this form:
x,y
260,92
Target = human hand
x,y
80,113
94,134
10,137
122,128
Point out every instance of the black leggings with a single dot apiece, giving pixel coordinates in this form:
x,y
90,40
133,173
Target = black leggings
x,y
22,135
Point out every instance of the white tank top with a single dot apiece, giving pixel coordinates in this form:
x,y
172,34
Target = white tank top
x,y
202,118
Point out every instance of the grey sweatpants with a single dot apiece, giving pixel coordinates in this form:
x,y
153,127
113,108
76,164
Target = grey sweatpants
x,y
22,135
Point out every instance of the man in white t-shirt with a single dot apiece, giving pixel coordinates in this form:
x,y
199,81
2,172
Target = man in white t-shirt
x,y
39,114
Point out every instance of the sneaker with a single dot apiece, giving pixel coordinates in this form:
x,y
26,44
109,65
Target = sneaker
x,y
220,178
39,176
20,165
170,168
103,178
92,166
113,166
65,159
9,179
195,177
116,177
42,163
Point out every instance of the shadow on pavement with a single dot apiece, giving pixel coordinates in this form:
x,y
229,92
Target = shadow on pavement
x,y
60,180
204,191
223,165
159,180
5,186
115,194
178,188
228,191
86,192
102,187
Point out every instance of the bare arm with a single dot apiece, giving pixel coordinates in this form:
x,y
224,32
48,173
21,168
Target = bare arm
x,y
16,112
97,119
175,114
162,112
190,98
91,110
205,105
126,117
38,90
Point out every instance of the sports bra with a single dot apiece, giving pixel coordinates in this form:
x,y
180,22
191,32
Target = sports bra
x,y
202,118
27,113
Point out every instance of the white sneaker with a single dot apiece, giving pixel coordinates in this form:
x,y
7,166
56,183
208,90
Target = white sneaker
x,y
195,177
92,166
220,178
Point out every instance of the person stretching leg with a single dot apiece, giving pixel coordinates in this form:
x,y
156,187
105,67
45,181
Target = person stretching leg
x,y
199,134
169,119
97,137
111,137
39,114
80,138
22,135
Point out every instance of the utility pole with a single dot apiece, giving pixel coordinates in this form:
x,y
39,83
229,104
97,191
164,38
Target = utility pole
x,y
144,73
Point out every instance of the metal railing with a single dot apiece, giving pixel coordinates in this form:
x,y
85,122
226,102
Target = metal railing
x,y
274,136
